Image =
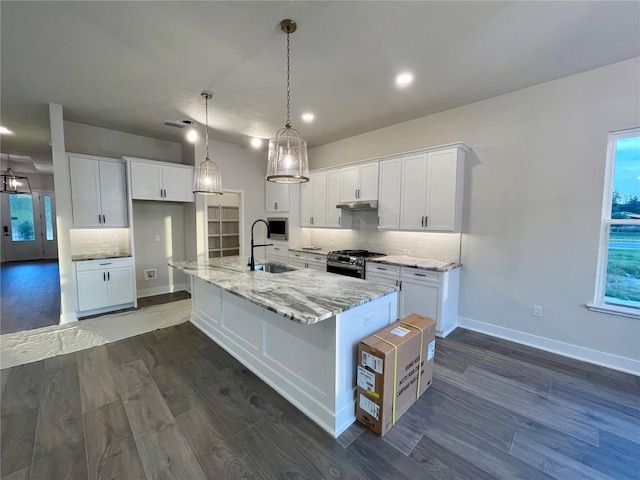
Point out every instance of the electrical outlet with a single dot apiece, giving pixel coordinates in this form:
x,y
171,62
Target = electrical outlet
x,y
407,252
157,238
150,274
537,310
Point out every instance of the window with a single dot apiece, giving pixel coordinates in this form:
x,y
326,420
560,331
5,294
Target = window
x,y
618,282
48,218
21,211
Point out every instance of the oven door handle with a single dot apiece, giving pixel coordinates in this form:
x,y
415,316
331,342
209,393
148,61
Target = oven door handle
x,y
346,266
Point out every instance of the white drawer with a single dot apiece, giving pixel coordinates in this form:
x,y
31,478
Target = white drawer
x,y
421,275
297,256
316,258
383,269
278,251
106,264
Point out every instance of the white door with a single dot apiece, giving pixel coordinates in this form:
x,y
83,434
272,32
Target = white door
x,y
28,225
177,184
419,298
389,201
319,198
334,196
113,192
120,285
85,192
92,290
368,189
441,190
412,201
271,196
350,183
306,203
146,181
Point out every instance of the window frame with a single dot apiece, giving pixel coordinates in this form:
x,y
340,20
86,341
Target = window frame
x,y
606,222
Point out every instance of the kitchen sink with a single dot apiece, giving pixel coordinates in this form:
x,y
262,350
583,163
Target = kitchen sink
x,y
274,268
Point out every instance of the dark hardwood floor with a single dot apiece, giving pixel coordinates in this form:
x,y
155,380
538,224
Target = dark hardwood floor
x,y
172,404
29,295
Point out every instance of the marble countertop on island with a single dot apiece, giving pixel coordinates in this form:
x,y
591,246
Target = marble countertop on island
x,y
98,256
305,296
415,262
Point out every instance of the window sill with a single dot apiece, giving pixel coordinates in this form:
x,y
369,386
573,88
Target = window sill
x,y
614,310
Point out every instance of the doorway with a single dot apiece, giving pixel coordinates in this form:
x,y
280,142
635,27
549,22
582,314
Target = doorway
x,y
28,227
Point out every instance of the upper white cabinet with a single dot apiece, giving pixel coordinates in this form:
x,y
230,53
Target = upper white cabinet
x,y
360,182
431,190
313,199
276,197
98,192
389,194
336,217
423,191
152,180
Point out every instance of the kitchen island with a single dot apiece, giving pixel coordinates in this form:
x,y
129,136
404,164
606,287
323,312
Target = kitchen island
x,y
297,330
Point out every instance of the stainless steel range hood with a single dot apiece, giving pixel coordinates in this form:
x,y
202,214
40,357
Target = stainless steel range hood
x,y
359,205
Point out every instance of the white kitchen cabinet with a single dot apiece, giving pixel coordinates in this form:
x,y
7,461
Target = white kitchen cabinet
x,y
151,180
278,252
98,192
105,284
431,190
276,197
428,293
314,261
389,194
336,217
313,198
360,182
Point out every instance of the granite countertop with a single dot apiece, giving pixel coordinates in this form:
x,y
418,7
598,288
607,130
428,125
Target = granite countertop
x,y
415,262
305,296
320,251
98,256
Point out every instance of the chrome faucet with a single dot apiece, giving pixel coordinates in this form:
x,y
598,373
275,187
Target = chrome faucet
x,y
252,262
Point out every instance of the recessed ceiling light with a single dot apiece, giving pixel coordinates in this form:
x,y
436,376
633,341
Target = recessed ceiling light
x,y
404,79
308,117
256,142
5,131
192,135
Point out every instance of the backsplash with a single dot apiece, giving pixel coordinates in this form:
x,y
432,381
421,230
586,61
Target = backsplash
x,y
111,241
365,234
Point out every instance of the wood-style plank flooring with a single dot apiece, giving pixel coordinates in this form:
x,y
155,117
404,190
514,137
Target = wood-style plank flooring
x,y
29,295
172,404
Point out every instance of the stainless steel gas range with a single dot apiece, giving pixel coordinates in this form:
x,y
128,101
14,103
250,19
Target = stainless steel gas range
x,y
349,262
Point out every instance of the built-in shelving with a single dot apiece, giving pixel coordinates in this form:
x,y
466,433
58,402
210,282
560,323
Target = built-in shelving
x,y
223,231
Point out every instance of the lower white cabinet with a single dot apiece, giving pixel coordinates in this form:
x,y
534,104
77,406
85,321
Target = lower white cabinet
x,y
314,261
102,284
425,292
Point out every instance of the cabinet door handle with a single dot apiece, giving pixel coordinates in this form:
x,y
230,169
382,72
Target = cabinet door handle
x,y
339,218
99,219
311,220
419,274
422,222
109,276
380,268
275,205
397,282
108,263
378,221
104,220
104,276
426,221
401,285
161,193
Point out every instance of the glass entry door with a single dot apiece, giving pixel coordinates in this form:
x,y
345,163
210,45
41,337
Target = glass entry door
x,y
28,226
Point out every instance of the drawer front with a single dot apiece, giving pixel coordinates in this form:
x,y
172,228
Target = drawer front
x,y
106,264
278,251
383,269
297,256
421,275
315,258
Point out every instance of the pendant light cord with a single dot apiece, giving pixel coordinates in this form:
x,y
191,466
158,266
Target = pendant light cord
x,y
206,122
288,80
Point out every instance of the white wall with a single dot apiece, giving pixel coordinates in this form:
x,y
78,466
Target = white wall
x,y
241,169
533,199
80,138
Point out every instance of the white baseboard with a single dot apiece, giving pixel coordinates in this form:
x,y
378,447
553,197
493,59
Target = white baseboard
x,y
68,318
149,292
615,362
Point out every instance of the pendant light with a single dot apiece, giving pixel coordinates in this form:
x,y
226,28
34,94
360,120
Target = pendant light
x,y
288,162
206,178
14,184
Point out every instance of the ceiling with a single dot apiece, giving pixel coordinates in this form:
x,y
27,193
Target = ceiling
x,y
129,66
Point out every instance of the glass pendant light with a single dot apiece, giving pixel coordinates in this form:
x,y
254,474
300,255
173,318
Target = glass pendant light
x,y
206,178
288,162
14,184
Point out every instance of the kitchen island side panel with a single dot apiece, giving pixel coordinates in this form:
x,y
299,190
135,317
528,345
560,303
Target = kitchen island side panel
x,y
312,366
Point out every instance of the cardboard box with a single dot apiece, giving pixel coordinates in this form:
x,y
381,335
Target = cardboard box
x,y
395,362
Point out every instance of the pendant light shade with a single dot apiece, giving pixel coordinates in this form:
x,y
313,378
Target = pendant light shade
x,y
288,162
14,184
206,178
